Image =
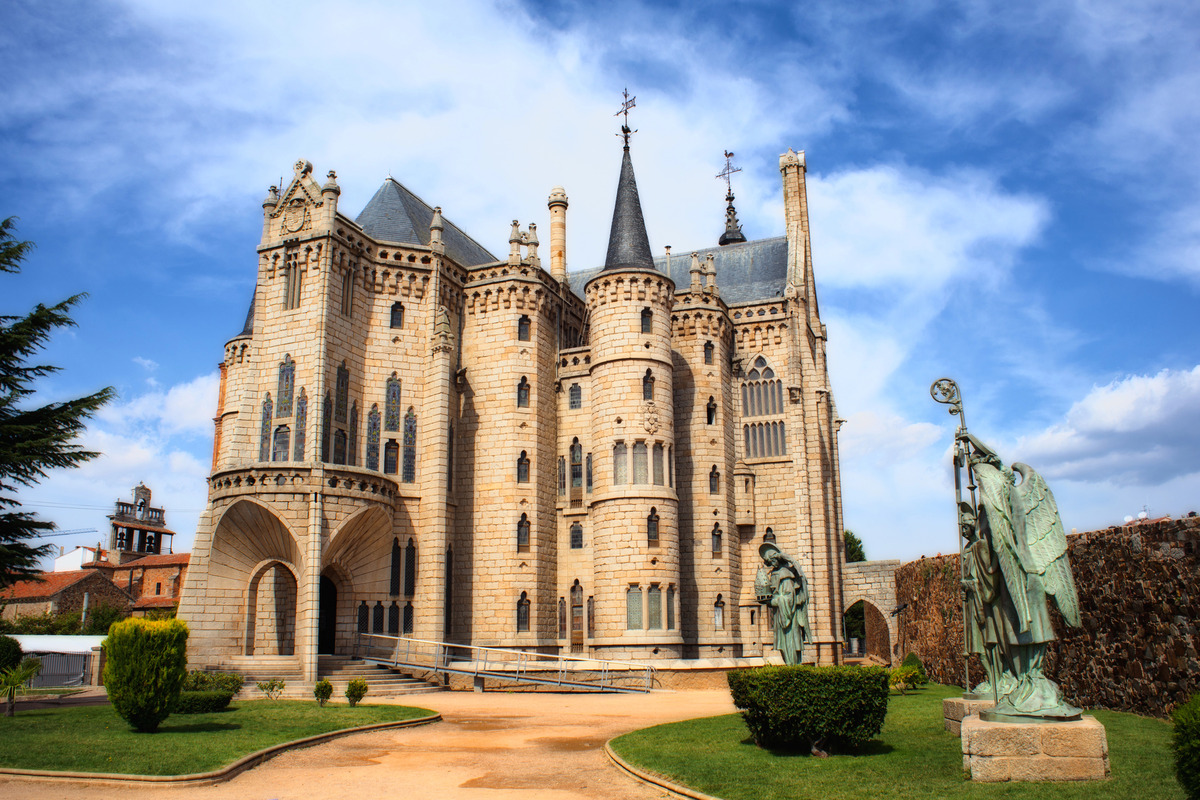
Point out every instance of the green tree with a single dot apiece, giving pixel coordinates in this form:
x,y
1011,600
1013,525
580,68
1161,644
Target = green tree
x,y
13,680
854,547
32,440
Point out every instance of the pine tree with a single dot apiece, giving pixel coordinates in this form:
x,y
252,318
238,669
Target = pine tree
x,y
32,440
854,548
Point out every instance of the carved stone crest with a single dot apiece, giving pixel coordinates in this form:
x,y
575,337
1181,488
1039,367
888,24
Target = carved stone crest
x,y
650,418
295,215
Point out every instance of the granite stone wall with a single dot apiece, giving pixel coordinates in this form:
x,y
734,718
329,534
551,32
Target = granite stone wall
x,y
1139,591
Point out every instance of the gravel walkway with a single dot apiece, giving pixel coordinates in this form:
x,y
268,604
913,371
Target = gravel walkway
x,y
492,745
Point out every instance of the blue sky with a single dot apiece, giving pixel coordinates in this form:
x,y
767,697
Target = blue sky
x,y
1005,193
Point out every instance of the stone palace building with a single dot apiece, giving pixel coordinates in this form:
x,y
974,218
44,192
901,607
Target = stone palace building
x,y
417,438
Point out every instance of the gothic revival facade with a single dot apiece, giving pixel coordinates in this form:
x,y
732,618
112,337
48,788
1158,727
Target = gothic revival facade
x,y
416,438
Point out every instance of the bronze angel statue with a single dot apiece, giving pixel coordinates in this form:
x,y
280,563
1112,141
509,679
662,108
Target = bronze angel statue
x,y
1015,562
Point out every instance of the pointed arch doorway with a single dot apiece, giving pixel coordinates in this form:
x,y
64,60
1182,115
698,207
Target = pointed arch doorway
x,y
327,616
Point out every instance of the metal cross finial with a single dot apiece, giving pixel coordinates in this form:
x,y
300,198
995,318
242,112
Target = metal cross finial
x,y
629,103
729,170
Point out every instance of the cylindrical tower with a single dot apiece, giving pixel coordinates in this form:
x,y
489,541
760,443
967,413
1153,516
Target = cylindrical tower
x,y
558,233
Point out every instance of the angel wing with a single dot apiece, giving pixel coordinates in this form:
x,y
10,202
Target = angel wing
x,y
995,501
1046,542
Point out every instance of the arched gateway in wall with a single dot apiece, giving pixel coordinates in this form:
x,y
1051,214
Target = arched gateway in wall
x,y
874,583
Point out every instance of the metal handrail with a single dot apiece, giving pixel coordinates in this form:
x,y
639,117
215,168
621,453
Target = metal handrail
x,y
501,661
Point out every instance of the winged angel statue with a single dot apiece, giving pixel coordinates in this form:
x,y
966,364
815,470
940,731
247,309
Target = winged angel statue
x,y
1014,562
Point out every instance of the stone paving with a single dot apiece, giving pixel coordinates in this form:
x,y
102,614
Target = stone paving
x,y
540,746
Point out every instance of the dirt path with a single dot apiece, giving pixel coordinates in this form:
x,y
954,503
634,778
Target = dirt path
x,y
492,745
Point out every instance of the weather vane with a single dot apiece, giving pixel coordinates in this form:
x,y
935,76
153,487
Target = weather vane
x,y
629,103
729,170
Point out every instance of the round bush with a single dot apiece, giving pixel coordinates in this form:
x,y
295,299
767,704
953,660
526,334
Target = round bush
x,y
323,691
10,652
1185,741
799,707
203,702
356,690
911,660
146,662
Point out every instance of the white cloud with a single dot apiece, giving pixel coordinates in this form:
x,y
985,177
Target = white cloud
x,y
145,363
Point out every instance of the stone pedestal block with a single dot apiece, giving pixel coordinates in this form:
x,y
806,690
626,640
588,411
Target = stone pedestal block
x,y
1031,751
955,709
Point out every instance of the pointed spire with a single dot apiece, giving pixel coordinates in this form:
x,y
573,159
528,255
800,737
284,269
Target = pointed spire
x,y
628,245
733,231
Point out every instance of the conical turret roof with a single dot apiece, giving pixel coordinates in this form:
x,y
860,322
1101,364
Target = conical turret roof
x,y
628,245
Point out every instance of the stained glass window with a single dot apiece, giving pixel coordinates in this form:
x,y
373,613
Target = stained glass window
x,y
287,380
576,536
523,613
342,397
352,453
282,444
326,427
410,446
391,457
301,424
264,439
391,405
633,608
576,465
373,437
339,446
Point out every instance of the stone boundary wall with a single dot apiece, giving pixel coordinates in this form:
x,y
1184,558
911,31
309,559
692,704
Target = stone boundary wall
x,y
1139,594
875,583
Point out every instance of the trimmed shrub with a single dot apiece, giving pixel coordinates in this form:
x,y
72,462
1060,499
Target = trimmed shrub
x,y
1185,741
272,688
199,680
201,702
356,690
323,691
10,652
799,707
146,662
903,678
911,660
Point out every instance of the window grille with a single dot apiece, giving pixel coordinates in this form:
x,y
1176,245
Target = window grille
x,y
301,423
647,321
397,320
523,613
633,608
523,468
373,438
575,396
523,534
523,326
576,536
410,446
281,448
523,393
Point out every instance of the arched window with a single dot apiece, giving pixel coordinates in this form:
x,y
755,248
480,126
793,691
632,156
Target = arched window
x,y
410,446
562,476
575,396
373,438
711,410
708,352
326,427
292,280
591,617
576,473
671,607
348,301
576,611
523,534
377,617
654,607
652,528
364,617
397,315
281,448
576,536
714,481
523,393
648,386
352,447
410,573
719,614
647,320
588,471
633,608
339,446
341,398
523,468
301,422
717,550
264,436
391,457
287,382
397,567
562,618
523,329
640,474
523,613
769,536
762,396
620,464
394,619
657,463
408,618
391,404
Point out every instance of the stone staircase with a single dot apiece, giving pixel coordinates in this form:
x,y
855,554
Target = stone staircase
x,y
382,681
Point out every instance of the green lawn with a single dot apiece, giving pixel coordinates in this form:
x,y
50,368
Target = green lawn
x,y
95,739
913,757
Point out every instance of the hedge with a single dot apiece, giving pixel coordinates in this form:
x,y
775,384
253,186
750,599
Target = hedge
x,y
1185,741
202,702
146,662
199,680
802,707
10,652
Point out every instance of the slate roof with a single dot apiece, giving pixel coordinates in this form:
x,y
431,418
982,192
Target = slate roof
x,y
746,273
397,215
628,245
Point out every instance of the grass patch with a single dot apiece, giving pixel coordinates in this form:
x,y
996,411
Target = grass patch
x,y
95,739
912,758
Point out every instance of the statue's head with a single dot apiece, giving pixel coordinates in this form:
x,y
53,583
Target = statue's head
x,y
771,554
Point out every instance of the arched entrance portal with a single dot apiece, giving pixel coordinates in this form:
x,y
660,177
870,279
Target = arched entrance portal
x,y
327,616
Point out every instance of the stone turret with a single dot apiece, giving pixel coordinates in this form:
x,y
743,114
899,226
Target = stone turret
x,y
558,233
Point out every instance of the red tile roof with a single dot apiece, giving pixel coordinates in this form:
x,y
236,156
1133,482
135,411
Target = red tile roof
x,y
164,560
156,601
53,583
